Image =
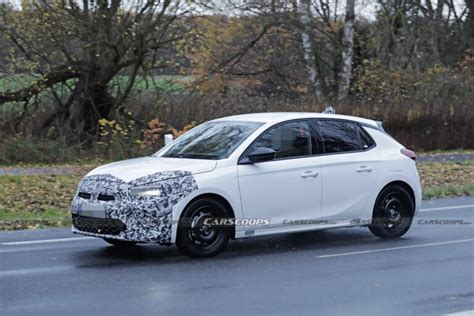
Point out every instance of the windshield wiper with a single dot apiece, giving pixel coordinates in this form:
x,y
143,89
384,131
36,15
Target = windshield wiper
x,y
192,156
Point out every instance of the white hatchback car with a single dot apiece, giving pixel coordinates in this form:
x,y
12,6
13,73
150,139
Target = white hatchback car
x,y
253,175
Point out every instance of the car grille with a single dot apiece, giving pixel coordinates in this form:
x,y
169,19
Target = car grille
x,y
100,197
105,197
106,226
85,195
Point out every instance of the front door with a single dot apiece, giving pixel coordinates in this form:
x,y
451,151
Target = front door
x,y
286,189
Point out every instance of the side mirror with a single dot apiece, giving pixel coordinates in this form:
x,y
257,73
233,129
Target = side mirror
x,y
259,154
168,139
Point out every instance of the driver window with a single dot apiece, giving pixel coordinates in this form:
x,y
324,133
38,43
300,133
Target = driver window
x,y
291,139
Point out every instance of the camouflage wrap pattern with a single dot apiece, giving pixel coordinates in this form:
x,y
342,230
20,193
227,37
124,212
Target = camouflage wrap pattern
x,y
148,218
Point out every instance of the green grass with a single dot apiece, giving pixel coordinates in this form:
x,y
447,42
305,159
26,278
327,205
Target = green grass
x,y
15,82
446,152
36,201
449,191
51,217
75,164
437,175
169,84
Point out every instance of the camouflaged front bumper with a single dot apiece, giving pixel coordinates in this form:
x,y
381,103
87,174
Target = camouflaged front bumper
x,y
146,219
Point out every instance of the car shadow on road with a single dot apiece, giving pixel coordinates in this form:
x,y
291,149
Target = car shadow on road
x,y
319,242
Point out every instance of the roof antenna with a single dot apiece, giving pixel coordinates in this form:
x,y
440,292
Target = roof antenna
x,y
329,110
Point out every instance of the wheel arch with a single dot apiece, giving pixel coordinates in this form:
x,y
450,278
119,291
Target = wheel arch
x,y
216,197
403,185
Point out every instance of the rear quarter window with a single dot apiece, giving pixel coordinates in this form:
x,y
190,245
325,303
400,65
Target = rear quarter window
x,y
340,136
366,140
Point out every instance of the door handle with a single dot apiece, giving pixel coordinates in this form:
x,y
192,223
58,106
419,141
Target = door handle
x,y
309,174
364,169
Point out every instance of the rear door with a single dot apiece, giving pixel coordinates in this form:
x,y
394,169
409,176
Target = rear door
x,y
348,168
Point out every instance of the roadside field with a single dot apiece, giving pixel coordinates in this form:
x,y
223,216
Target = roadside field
x,y
447,179
170,84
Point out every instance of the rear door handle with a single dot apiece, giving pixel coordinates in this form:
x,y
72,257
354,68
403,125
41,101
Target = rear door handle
x,y
364,169
309,174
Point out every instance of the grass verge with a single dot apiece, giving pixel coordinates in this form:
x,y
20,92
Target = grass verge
x,y
444,179
445,152
449,191
38,201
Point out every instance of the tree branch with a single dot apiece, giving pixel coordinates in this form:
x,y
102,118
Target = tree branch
x,y
58,75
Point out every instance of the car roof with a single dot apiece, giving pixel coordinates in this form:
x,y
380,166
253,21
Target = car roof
x,y
276,117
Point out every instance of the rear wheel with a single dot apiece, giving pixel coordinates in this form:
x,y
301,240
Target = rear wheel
x,y
120,243
196,236
393,213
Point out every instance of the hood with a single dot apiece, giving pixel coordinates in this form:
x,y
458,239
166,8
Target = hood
x,y
131,169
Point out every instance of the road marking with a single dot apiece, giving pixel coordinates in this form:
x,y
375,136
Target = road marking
x,y
35,271
446,208
44,241
463,313
397,248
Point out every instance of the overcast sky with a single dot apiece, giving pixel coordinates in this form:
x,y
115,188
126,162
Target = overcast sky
x,y
364,8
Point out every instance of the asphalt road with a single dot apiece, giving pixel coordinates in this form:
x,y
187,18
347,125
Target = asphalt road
x,y
336,272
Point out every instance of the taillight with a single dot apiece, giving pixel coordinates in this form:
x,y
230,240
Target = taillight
x,y
409,153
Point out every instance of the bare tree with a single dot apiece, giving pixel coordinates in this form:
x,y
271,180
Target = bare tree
x,y
470,23
90,43
305,18
347,52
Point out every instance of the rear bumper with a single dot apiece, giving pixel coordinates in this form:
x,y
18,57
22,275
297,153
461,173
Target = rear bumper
x,y
418,197
418,192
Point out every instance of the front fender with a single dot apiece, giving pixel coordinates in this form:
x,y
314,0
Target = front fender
x,y
179,208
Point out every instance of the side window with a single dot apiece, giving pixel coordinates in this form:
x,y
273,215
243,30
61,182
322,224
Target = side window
x,y
339,136
291,139
366,140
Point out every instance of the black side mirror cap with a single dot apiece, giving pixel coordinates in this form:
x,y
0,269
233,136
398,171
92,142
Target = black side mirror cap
x,y
259,154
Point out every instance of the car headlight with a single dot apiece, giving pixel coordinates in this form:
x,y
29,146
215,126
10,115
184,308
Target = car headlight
x,y
145,191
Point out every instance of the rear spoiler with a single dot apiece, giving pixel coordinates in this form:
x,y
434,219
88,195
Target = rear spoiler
x,y
328,109
380,125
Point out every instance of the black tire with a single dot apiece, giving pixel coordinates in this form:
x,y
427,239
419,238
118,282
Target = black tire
x,y
198,240
393,213
120,243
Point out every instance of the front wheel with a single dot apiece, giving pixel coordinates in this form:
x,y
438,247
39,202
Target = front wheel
x,y
393,213
196,236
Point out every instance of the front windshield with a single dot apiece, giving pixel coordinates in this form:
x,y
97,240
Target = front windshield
x,y
211,140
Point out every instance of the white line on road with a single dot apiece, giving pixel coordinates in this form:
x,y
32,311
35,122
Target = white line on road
x,y
35,271
463,313
44,241
397,248
447,208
